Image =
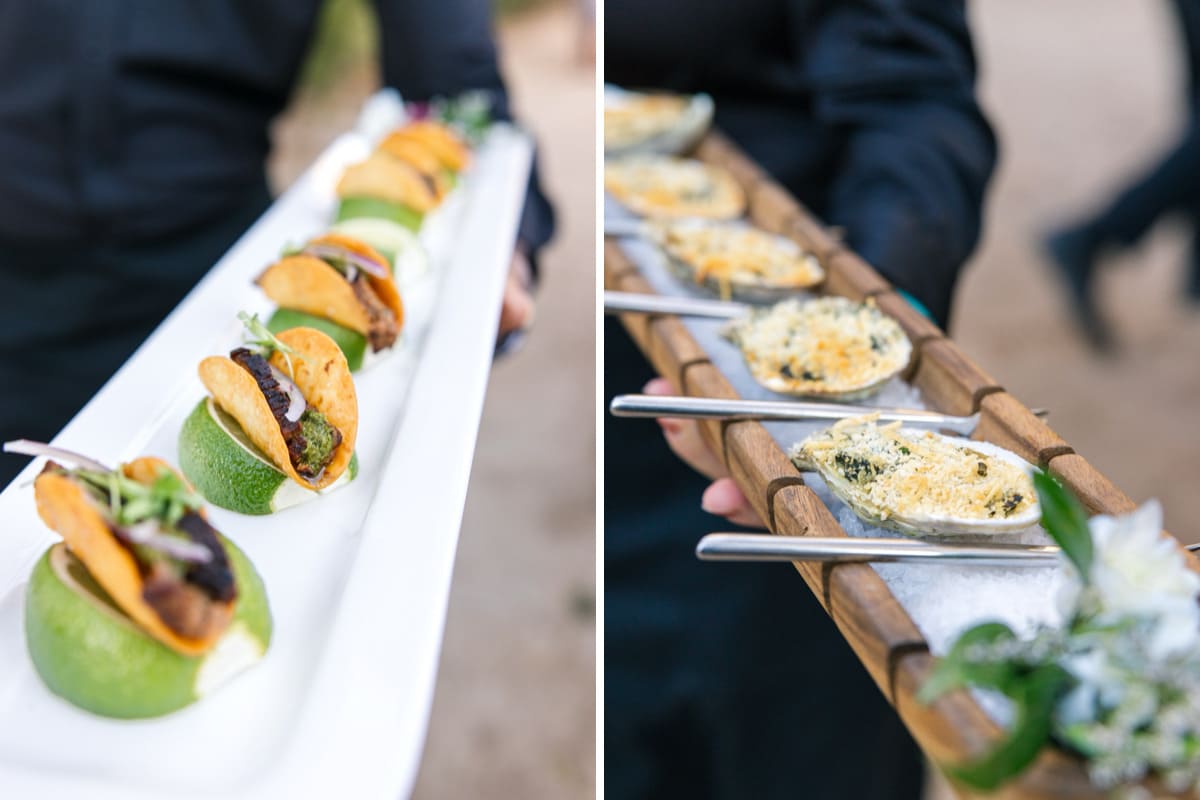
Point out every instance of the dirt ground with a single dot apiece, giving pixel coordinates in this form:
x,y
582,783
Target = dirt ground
x,y
1084,95
514,712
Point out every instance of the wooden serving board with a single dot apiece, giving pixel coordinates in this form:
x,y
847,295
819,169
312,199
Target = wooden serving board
x,y
895,653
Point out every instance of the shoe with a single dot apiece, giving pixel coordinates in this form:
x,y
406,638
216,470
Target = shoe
x,y
1073,253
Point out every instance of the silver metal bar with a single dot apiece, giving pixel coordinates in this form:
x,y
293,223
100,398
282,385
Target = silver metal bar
x,y
643,405
765,547
624,227
622,302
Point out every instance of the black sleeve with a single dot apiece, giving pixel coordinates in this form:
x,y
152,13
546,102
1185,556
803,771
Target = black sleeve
x,y
895,79
444,48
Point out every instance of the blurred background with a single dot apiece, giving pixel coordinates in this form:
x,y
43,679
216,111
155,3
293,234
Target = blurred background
x,y
1086,95
514,712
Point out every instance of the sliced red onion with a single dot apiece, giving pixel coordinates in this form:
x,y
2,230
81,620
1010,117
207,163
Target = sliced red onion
x,y
297,405
149,534
30,448
367,265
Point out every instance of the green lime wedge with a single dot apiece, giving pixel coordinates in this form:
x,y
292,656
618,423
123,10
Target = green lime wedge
x,y
396,243
352,207
91,654
226,467
352,343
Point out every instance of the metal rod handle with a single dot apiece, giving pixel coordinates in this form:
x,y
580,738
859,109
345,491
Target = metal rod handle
x,y
625,302
642,405
764,547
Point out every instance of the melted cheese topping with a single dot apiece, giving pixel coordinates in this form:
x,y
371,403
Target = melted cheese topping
x,y
735,255
891,471
638,117
664,187
827,346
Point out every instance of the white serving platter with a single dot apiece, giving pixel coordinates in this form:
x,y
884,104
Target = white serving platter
x,y
358,580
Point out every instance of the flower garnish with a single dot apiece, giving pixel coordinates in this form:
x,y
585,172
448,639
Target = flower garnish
x,y
1119,683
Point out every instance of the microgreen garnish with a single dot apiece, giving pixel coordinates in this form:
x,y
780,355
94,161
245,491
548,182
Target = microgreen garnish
x,y
259,338
469,112
166,500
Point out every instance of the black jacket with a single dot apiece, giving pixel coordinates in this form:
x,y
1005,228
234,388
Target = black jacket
x,y
130,120
865,109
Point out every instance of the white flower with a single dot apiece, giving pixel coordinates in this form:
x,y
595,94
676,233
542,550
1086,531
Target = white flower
x,y
1138,572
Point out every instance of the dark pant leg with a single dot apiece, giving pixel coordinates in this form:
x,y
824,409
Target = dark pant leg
x,y
1172,185
70,315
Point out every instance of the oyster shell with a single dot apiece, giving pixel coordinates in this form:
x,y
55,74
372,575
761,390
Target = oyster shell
x,y
733,260
829,347
920,482
664,187
636,123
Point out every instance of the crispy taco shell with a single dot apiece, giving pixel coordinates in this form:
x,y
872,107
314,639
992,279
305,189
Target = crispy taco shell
x,y
385,288
308,284
443,142
387,178
420,157
323,377
67,508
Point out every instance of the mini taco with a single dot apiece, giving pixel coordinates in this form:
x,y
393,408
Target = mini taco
x,y
294,399
383,186
144,607
451,151
418,155
142,535
343,280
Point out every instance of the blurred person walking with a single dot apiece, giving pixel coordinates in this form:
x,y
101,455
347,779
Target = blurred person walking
x,y
133,141
1172,185
732,682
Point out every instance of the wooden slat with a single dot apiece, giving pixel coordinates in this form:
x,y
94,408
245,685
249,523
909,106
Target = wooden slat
x,y
949,381
1097,493
920,329
849,276
1005,421
716,149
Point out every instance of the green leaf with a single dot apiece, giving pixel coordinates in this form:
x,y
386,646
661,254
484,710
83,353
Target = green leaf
x,y
957,669
1066,521
258,336
1034,697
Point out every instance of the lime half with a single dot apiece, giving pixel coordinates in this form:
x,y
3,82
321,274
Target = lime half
x,y
352,207
91,654
396,243
352,343
226,467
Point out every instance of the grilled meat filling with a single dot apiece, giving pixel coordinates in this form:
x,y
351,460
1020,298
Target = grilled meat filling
x,y
309,458
185,595
383,330
215,576
183,607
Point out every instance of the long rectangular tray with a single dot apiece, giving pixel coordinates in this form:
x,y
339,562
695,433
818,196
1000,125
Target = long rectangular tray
x,y
358,580
871,617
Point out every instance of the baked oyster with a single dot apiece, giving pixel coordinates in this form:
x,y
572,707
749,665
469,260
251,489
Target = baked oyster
x,y
919,482
663,187
830,347
736,261
639,122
